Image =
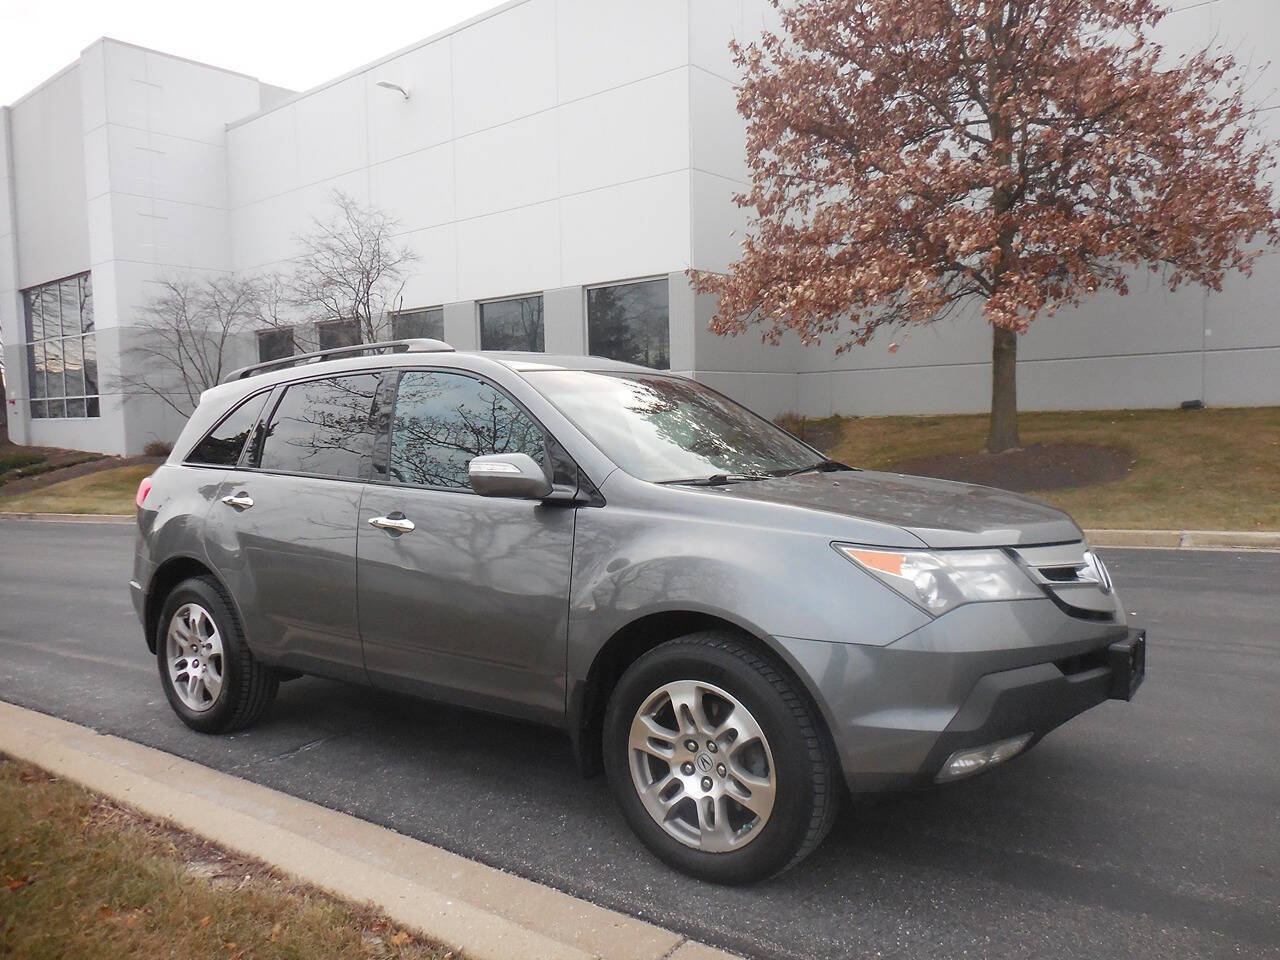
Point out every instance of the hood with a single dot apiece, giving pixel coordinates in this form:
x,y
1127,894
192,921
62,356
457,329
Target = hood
x,y
940,513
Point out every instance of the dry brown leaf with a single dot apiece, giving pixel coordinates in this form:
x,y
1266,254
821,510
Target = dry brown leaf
x,y
399,939
275,932
205,921
16,883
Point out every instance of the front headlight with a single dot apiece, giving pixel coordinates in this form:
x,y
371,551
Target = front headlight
x,y
937,580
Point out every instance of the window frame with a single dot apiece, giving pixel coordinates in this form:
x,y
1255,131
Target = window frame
x,y
541,295
251,455
248,440
334,322
382,453
396,314
586,313
28,345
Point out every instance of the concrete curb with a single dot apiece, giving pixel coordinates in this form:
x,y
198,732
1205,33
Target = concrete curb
x,y
485,913
120,518
1186,539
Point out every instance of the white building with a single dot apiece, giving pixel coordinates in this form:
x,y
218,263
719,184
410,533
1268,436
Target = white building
x,y
547,148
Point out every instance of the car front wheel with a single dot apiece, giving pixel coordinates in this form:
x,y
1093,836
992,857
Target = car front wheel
x,y
718,761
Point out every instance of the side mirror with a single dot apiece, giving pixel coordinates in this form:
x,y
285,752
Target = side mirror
x,y
515,475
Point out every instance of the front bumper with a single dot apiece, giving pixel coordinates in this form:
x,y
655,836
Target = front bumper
x,y
982,673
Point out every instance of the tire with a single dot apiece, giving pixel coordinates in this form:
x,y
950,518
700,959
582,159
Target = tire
x,y
770,751
199,610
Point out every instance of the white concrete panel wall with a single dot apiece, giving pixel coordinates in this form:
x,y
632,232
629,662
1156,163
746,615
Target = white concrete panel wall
x,y
544,145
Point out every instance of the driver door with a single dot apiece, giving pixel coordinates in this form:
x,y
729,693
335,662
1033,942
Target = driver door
x,y
462,597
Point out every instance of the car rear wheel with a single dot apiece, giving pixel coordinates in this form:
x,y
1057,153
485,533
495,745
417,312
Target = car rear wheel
x,y
211,678
718,761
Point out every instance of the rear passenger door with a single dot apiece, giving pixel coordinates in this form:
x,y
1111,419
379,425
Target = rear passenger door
x,y
471,604
283,536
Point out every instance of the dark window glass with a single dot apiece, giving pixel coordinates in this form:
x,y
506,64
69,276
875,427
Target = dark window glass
x,y
61,355
222,445
86,304
323,427
338,333
418,324
73,366
629,322
275,344
512,325
35,373
442,420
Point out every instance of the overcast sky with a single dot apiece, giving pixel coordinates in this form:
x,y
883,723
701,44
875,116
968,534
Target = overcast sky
x,y
292,43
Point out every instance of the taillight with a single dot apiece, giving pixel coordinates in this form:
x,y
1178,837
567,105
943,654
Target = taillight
x,y
143,489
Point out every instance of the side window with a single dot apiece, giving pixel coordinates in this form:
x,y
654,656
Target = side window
x,y
442,420
323,427
222,445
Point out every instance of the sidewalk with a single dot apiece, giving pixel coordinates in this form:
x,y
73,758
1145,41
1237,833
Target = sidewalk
x,y
484,912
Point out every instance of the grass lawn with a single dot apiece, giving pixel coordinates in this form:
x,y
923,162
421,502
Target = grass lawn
x,y
82,877
107,491
1216,469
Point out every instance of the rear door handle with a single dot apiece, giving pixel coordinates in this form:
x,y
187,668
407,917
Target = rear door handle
x,y
396,523
241,501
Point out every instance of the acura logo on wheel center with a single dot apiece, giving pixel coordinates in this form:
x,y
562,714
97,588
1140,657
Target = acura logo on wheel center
x,y
704,763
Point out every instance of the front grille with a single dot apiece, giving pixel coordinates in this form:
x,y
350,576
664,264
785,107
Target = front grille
x,y
1073,578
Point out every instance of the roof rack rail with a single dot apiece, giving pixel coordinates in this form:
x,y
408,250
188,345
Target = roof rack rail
x,y
389,346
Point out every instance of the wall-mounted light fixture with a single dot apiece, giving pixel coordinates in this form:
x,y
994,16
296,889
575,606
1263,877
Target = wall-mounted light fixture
x,y
388,85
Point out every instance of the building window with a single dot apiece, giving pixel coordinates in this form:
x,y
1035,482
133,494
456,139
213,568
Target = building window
x,y
338,333
62,355
512,324
630,322
418,324
275,344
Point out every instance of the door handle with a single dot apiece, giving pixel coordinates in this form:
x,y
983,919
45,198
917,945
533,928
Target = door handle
x,y
396,523
241,501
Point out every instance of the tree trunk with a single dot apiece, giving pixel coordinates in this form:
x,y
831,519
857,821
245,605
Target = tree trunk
x,y
1004,391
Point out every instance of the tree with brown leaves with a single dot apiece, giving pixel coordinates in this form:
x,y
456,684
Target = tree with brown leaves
x,y
910,157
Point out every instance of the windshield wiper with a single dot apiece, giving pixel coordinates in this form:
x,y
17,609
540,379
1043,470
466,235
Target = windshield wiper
x,y
822,466
718,479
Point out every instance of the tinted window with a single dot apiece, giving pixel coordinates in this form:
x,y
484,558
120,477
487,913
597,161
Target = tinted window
x,y
418,324
665,428
61,354
629,322
512,325
222,446
338,333
275,344
442,420
323,427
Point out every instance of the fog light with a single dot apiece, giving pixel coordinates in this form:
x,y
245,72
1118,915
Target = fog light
x,y
964,762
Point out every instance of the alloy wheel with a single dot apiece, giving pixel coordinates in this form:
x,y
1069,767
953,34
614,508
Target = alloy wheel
x,y
702,766
194,653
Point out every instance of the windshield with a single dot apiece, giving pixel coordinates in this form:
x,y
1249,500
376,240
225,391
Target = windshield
x,y
666,429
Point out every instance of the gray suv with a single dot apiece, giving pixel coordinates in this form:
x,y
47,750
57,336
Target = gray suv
x,y
733,626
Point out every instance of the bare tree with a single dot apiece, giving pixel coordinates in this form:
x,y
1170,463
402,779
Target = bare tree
x,y
185,338
351,268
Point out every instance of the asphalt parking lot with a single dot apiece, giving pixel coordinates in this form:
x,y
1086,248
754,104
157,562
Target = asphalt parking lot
x,y
1149,829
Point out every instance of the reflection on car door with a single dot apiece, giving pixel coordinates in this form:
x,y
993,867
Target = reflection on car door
x,y
284,540
471,604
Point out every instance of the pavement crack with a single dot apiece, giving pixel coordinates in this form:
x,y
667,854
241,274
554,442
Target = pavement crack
x,y
672,952
303,748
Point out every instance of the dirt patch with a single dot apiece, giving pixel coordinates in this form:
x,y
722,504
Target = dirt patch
x,y
83,469
1037,467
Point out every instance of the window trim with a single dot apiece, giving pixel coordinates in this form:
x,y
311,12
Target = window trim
x,y
586,313
393,382
83,280
438,306
479,318
248,441
253,448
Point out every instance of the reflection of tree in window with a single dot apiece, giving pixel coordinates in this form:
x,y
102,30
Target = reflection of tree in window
x,y
629,322
323,427
512,325
444,420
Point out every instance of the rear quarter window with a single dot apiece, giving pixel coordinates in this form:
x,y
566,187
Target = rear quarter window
x,y
221,446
